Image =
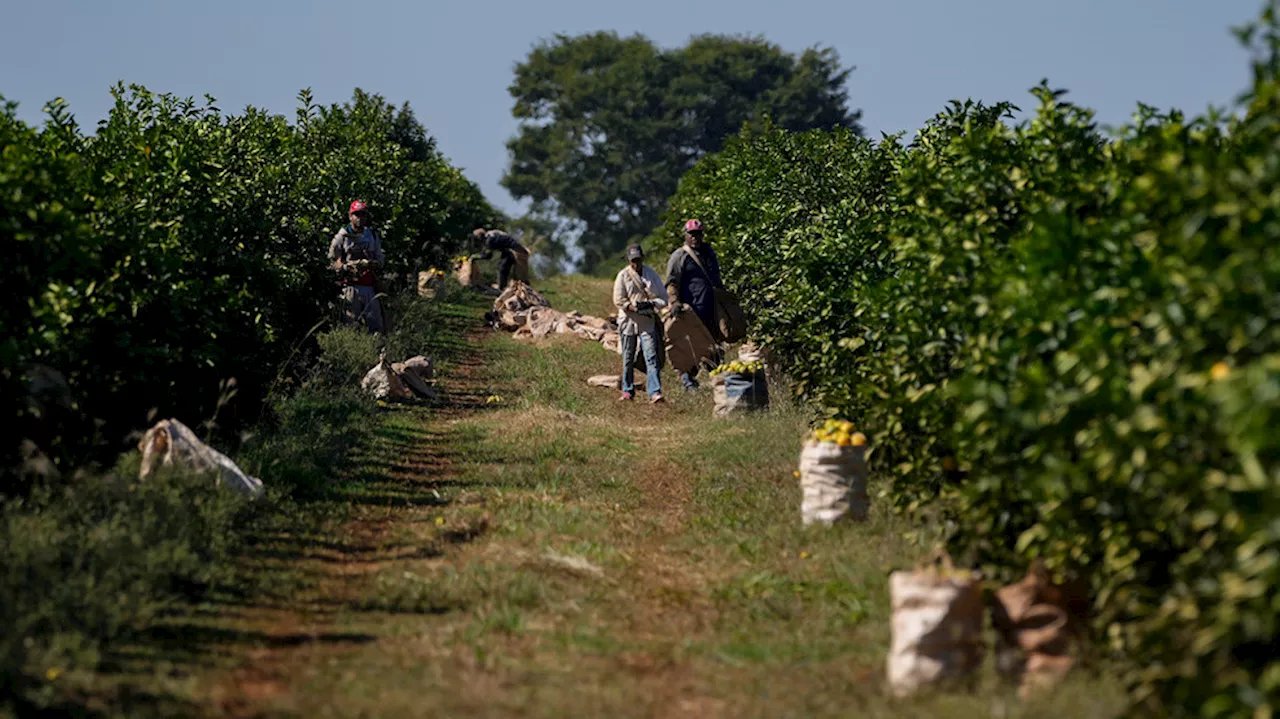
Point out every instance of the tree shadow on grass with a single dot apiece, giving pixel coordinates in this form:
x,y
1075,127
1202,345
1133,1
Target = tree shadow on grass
x,y
407,458
127,701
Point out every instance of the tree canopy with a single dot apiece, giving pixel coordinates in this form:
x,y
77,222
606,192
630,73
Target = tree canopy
x,y
609,124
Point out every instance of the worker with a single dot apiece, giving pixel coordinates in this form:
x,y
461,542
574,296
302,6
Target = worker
x,y
356,255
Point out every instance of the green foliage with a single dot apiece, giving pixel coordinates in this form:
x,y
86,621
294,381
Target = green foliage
x,y
1064,346
94,560
346,354
172,249
178,247
609,124
89,562
800,223
1114,424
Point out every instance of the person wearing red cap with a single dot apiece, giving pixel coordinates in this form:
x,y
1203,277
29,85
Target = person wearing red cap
x,y
356,254
693,275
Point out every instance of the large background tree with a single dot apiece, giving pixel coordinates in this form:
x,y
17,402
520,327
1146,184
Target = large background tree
x,y
610,124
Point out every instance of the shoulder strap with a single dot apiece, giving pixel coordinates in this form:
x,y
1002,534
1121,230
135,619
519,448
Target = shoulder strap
x,y
694,256
639,282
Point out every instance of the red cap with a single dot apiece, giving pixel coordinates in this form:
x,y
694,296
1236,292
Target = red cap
x,y
358,206
693,226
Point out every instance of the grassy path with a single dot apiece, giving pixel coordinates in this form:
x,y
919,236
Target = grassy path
x,y
560,554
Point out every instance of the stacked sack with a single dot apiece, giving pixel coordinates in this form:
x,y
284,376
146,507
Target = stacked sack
x,y
522,310
937,622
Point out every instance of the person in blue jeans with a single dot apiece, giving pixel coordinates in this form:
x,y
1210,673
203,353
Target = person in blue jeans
x,y
638,293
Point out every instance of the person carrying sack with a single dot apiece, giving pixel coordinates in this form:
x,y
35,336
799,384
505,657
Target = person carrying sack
x,y
513,262
356,255
693,276
639,294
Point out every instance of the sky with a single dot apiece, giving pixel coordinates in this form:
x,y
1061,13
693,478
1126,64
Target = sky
x,y
453,60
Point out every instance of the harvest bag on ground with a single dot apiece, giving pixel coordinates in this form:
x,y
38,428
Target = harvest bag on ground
x,y
833,474
936,626
1039,626
739,387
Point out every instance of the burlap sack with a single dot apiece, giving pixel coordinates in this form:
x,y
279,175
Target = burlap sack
x,y
384,383
540,322
936,627
749,352
1039,625
689,343
413,380
424,367
171,443
430,285
737,393
465,272
833,483
519,296
614,381
611,341
730,320
588,332
521,270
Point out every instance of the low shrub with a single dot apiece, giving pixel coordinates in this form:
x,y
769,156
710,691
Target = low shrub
x,y
95,559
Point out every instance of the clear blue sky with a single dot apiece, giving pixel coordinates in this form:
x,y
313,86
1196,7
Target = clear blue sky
x,y
453,59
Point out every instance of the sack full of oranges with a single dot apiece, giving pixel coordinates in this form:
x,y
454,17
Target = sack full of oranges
x,y
738,388
833,474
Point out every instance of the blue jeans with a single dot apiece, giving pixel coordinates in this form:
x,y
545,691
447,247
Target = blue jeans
x,y
649,342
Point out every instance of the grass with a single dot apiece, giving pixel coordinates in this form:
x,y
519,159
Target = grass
x,y
558,554
634,560
107,582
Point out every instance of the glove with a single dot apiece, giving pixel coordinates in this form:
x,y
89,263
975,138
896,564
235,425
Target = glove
x,y
643,306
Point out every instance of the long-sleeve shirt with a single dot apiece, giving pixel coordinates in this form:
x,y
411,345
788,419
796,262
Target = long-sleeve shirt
x,y
497,240
347,246
628,289
690,284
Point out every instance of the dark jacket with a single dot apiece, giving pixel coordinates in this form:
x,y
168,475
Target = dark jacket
x,y
690,284
501,242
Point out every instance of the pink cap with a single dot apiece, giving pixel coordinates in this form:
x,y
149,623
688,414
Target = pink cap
x,y
358,206
693,225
